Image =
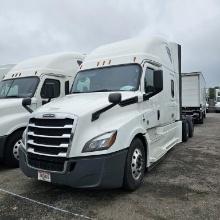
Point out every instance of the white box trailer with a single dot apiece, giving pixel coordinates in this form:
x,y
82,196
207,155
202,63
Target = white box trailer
x,y
194,95
40,79
122,116
4,69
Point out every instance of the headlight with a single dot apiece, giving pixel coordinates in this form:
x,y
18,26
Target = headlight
x,y
101,142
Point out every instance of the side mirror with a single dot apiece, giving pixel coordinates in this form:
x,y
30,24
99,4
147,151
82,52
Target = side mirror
x,y
114,98
49,91
25,103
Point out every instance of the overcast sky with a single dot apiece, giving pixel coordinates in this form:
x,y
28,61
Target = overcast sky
x,y
30,28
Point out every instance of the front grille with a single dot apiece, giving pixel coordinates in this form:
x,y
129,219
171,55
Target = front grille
x,y
49,136
51,122
46,163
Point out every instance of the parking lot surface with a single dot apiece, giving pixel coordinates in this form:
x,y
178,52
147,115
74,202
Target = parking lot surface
x,y
184,185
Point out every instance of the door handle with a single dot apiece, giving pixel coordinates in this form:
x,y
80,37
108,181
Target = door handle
x,y
158,114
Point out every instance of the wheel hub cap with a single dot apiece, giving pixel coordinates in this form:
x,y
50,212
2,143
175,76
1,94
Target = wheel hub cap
x,y
137,164
15,149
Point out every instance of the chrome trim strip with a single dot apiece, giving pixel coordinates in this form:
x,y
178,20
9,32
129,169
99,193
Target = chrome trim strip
x,y
31,150
45,145
46,136
48,127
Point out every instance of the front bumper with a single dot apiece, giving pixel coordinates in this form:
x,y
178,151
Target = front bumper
x,y
2,146
105,171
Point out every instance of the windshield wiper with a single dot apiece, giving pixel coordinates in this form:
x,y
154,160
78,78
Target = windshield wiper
x,y
13,96
101,90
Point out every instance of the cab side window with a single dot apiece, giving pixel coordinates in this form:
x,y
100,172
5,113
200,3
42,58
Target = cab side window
x,y
53,83
149,81
153,81
67,87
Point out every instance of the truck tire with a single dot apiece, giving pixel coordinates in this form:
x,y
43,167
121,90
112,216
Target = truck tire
x,y
190,126
185,131
11,157
135,165
201,120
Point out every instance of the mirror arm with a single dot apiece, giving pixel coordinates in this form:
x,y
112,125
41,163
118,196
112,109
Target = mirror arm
x,y
96,114
28,108
147,96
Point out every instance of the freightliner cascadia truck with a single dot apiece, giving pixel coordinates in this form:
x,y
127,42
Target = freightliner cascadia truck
x,y
34,78
122,116
194,96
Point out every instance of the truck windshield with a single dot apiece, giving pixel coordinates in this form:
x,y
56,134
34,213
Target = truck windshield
x,y
19,87
114,78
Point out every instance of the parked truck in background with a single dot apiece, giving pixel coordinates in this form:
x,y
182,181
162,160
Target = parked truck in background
x,y
36,78
122,116
4,69
217,100
194,95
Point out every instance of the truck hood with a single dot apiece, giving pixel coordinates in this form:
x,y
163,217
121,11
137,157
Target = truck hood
x,y
8,106
81,104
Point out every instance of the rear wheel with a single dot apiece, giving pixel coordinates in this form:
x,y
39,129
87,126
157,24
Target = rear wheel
x,y
11,156
185,131
135,165
190,126
201,120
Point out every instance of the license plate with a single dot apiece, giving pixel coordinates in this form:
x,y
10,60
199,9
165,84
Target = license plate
x,y
44,176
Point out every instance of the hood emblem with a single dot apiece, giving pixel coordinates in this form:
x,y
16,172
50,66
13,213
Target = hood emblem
x,y
48,115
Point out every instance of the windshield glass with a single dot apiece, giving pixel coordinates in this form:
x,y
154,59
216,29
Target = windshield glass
x,y
19,87
218,99
115,78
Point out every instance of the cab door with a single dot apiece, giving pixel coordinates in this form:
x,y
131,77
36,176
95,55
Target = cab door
x,y
153,86
55,83
153,83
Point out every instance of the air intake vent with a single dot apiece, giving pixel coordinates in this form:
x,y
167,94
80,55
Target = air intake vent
x,y
49,138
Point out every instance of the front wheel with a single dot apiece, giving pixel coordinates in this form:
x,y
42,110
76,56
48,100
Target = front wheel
x,y
135,165
11,156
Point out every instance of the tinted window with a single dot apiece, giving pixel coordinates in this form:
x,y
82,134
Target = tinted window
x,y
18,87
67,87
56,85
149,80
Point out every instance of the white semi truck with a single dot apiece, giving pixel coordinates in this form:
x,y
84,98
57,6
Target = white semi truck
x,y
217,100
194,95
4,69
35,78
122,116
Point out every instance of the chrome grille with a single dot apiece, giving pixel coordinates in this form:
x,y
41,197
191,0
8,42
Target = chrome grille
x,y
49,136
